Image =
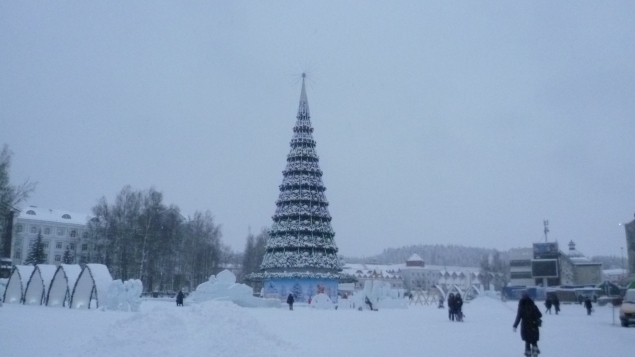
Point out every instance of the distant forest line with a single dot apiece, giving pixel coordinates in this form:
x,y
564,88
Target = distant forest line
x,y
453,255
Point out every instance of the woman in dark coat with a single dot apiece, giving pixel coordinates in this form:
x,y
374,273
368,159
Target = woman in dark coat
x,y
179,298
451,306
530,316
588,305
556,303
290,301
458,307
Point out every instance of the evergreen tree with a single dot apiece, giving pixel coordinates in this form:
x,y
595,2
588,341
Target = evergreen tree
x,y
300,242
297,292
68,257
36,254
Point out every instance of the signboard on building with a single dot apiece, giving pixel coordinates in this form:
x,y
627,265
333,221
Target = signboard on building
x,y
544,268
546,250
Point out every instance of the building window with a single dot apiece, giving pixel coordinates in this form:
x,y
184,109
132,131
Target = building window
x,y
46,257
58,258
60,231
72,246
46,244
84,247
31,212
66,216
47,231
58,245
73,233
33,229
17,254
85,235
19,228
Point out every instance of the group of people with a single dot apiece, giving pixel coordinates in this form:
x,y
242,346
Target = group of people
x,y
530,319
455,307
552,300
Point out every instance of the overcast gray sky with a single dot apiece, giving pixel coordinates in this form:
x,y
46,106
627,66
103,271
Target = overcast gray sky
x,y
436,122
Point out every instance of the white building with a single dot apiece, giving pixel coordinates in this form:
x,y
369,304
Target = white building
x,y
59,230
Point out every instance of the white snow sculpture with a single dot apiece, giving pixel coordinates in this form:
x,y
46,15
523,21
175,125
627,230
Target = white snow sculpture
x,y
92,284
379,293
322,302
124,296
113,297
133,290
38,285
16,285
59,293
223,287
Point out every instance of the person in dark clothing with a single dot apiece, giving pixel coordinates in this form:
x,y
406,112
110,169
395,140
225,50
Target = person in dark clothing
x,y
451,307
548,304
588,305
458,307
556,303
290,301
179,298
530,316
370,304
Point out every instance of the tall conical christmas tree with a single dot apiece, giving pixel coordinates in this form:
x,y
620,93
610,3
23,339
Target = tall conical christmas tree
x,y
300,243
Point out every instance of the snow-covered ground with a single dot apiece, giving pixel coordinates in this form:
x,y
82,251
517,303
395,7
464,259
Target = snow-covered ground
x,y
224,329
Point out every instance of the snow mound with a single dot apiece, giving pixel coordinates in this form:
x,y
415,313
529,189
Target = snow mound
x,y
223,287
322,302
214,329
124,296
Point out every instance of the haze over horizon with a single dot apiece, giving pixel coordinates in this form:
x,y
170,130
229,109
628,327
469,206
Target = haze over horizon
x,y
435,122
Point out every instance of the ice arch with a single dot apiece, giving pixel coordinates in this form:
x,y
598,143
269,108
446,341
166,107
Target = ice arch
x,y
38,284
92,284
59,293
17,283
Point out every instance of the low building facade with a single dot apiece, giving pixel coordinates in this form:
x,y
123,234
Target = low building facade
x,y
60,229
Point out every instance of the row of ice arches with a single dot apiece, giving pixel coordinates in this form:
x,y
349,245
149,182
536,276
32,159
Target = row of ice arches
x,y
66,285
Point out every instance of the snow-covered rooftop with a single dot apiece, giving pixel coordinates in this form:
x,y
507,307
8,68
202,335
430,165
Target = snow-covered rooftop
x,y
53,215
414,258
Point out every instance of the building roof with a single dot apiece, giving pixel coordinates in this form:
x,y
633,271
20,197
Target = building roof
x,y
414,258
53,215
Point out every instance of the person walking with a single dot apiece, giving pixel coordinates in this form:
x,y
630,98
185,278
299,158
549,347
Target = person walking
x,y
370,304
548,305
458,307
529,318
556,303
588,305
451,306
179,298
290,301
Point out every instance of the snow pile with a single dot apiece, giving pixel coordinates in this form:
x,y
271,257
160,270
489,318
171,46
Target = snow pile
x,y
124,296
380,294
322,302
223,287
208,329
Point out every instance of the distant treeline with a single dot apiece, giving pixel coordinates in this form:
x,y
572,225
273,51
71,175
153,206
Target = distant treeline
x,y
449,255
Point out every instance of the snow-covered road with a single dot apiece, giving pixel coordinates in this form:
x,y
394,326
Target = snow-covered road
x,y
223,329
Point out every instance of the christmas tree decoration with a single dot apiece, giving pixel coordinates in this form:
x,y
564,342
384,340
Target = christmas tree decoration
x,y
300,245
